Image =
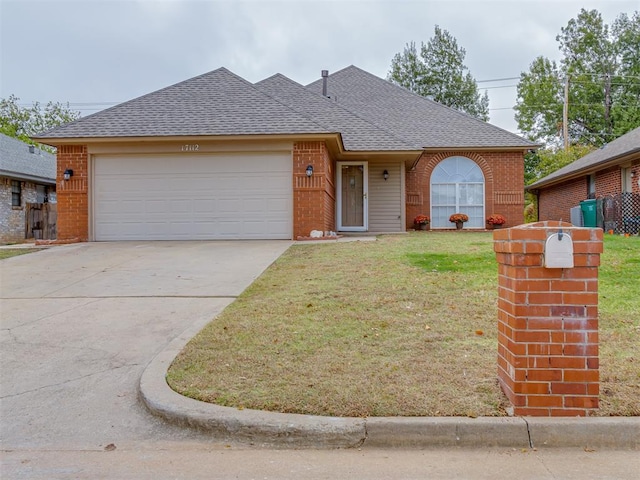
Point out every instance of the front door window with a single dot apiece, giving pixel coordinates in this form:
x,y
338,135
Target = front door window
x,y
352,197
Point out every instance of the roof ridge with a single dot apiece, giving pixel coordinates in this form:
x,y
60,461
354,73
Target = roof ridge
x,y
127,102
343,107
308,117
276,75
584,163
453,110
221,70
422,99
360,116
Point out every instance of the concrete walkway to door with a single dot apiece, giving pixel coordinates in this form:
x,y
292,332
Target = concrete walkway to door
x,y
79,324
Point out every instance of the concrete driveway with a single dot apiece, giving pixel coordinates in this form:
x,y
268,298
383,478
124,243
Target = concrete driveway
x,y
79,323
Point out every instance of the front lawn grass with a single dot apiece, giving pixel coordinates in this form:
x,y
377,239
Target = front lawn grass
x,y
404,326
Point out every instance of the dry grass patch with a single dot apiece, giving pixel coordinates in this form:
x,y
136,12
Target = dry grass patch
x,y
402,326
358,329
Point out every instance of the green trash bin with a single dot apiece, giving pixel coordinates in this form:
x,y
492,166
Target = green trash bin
x,y
588,208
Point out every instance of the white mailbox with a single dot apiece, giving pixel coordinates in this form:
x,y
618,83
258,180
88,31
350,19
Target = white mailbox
x,y
558,251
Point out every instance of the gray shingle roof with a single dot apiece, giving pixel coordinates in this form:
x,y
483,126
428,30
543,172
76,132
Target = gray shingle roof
x,y
370,113
357,133
627,144
17,161
216,103
417,119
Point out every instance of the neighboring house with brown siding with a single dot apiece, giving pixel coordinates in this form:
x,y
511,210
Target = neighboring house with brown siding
x,y
611,175
217,157
27,175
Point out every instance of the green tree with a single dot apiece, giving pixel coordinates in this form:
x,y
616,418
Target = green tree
x,y
24,122
602,66
438,72
540,100
626,107
544,161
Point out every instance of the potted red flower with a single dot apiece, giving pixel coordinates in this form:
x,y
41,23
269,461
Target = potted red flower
x,y
421,221
459,219
496,220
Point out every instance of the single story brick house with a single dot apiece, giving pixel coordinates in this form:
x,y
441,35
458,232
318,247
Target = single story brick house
x,y
27,175
611,175
217,157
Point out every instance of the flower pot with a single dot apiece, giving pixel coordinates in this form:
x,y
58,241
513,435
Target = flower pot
x,y
422,226
459,225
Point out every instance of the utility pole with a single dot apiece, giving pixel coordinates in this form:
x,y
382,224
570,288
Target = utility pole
x,y
565,115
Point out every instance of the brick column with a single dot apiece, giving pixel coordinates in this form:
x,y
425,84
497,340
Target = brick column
x,y
313,197
73,200
548,321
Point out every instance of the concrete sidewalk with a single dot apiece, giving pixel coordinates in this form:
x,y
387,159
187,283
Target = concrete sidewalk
x,y
279,430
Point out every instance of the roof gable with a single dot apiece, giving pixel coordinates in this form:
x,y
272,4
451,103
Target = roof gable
x,y
216,103
622,147
17,161
417,119
357,133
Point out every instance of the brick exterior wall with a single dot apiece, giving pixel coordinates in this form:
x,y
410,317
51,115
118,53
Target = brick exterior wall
x,y
73,200
548,321
555,203
314,198
608,182
504,183
12,219
635,181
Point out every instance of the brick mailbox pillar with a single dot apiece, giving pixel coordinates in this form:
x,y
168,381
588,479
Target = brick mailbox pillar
x,y
548,320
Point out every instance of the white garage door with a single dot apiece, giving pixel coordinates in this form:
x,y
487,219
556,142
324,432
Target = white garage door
x,y
193,197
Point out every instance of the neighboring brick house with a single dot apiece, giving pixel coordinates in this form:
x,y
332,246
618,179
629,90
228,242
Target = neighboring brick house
x,y
27,175
610,174
217,157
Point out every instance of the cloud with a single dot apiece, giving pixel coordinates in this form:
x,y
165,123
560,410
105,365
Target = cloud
x,y
111,51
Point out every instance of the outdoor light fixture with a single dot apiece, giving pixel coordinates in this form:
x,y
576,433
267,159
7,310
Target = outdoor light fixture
x,y
68,173
385,174
309,170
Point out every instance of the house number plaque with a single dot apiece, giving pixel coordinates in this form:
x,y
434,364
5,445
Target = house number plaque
x,y
193,147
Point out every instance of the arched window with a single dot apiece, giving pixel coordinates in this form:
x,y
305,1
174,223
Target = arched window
x,y
457,185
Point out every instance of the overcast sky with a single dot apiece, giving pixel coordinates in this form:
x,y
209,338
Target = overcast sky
x,y
94,53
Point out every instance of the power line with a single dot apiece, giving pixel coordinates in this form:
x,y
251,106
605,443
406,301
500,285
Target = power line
x,y
498,80
501,86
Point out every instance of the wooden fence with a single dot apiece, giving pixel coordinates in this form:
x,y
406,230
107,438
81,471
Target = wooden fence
x,y
40,221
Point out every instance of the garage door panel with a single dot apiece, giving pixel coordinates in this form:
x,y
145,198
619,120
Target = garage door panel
x,y
193,197
205,206
277,205
155,206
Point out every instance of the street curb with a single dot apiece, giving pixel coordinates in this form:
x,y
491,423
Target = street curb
x,y
596,432
249,426
281,430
